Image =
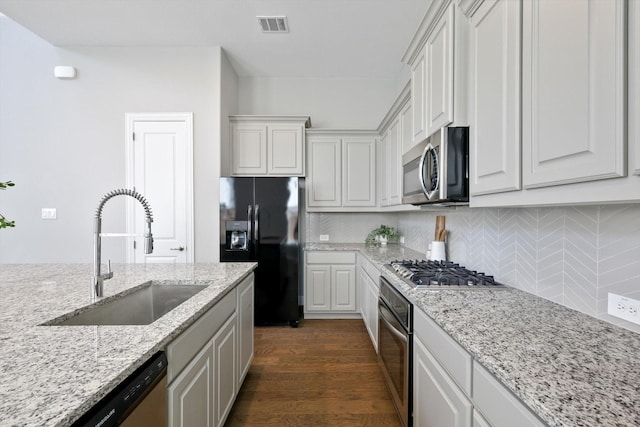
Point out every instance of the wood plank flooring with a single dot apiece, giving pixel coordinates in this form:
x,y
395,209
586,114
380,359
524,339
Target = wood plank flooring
x,y
324,373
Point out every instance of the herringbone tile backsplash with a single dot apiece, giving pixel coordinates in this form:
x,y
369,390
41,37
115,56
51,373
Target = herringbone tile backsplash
x,y
573,255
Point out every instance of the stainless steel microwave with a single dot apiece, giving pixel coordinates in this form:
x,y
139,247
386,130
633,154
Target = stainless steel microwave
x,y
436,171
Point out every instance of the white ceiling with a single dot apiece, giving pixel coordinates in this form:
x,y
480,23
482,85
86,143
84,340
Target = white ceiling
x,y
327,38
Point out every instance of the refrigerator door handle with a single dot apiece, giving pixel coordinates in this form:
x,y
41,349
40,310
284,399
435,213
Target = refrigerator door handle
x,y
256,222
249,221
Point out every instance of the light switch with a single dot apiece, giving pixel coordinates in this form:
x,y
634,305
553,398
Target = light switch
x,y
49,213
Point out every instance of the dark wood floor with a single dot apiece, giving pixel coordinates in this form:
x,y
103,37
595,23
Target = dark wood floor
x,y
324,373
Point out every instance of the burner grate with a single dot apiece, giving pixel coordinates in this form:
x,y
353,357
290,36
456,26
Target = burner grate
x,y
441,274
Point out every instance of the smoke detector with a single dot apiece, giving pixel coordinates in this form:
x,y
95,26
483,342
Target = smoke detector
x,y
273,24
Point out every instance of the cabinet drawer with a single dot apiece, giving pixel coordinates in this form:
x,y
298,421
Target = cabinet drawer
x,y
331,257
499,407
181,350
453,358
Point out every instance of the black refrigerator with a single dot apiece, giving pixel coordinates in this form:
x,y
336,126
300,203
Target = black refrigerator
x,y
259,222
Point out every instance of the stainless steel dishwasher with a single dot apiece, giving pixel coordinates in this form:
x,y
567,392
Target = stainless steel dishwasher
x,y
140,400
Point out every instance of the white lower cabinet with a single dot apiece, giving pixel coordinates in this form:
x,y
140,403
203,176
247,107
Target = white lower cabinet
x,y
450,389
368,293
209,360
437,400
330,284
225,387
190,395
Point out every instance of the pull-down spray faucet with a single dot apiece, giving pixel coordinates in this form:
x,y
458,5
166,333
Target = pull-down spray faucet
x,y
98,277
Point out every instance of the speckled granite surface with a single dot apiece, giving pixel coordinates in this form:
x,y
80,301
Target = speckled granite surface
x,y
50,375
569,368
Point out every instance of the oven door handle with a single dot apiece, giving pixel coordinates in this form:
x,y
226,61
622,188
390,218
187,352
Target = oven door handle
x,y
394,326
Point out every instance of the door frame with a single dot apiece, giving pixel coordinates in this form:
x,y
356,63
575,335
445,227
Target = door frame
x,y
130,120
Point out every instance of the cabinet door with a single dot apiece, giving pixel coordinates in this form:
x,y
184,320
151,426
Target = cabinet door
x,y
381,169
439,73
358,172
418,98
286,150
191,394
495,97
437,401
245,329
372,312
393,162
343,288
224,376
479,421
324,183
406,126
248,149
573,91
318,288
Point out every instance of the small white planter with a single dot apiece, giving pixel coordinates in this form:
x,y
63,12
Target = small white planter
x,y
383,240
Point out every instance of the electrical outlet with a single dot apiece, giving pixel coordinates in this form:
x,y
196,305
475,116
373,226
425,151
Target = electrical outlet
x,y
324,237
624,308
48,213
401,240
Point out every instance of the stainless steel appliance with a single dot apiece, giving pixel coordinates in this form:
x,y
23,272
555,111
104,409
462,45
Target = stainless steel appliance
x,y
259,222
436,171
395,347
442,275
140,400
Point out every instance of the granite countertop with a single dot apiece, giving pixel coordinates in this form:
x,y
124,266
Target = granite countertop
x,y
51,375
571,369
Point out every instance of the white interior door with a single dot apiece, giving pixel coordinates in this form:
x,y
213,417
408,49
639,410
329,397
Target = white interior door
x,y
160,168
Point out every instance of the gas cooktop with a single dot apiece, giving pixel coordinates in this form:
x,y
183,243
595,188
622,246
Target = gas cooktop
x,y
442,275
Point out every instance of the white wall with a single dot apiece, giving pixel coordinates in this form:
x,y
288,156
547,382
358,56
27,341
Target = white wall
x,y
62,141
331,103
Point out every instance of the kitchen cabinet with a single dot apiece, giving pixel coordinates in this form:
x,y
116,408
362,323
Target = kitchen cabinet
x,y
268,145
478,420
579,136
495,142
330,285
437,401
190,395
245,327
574,92
341,170
439,72
395,131
438,55
418,98
497,405
368,293
225,387
209,360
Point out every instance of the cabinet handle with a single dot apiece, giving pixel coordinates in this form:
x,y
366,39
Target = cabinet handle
x,y
181,248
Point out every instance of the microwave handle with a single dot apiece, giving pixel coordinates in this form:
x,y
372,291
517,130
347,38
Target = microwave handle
x,y
423,160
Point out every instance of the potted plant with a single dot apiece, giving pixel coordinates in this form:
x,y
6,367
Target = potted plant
x,y
4,223
381,235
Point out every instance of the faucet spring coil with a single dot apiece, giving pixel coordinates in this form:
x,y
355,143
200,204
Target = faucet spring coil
x,y
125,192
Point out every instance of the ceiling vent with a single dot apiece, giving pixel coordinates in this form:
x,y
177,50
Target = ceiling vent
x,y
273,24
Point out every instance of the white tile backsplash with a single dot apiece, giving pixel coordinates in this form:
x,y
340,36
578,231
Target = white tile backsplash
x,y
571,255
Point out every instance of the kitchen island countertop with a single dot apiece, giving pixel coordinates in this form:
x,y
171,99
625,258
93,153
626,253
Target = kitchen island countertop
x,y
51,375
571,369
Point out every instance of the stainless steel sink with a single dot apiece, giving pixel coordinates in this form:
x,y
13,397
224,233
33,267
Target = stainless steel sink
x,y
143,306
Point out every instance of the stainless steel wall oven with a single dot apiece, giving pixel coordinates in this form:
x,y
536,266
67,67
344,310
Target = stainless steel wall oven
x,y
395,347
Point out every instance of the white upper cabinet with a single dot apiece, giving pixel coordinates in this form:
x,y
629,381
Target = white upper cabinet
x,y
439,73
418,98
341,170
393,164
406,125
495,97
573,110
358,171
438,57
268,145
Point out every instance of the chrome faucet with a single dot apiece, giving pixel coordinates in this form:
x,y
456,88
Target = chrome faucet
x,y
98,278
